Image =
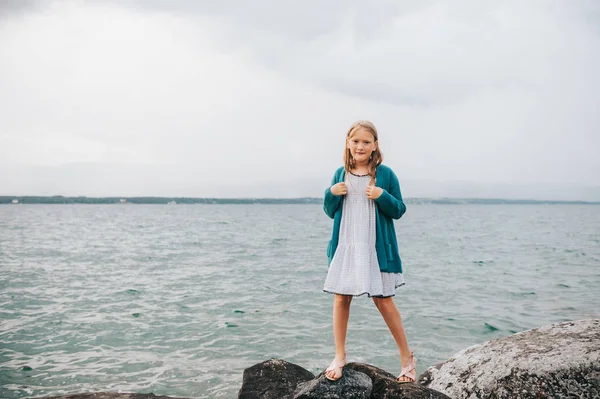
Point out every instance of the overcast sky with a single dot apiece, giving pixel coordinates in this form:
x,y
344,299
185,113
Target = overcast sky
x,y
254,98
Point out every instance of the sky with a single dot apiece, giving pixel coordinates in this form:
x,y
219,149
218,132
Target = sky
x,y
236,99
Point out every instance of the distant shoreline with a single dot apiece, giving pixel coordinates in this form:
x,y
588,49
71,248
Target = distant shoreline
x,y
59,199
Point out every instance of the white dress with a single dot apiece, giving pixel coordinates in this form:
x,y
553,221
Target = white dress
x,y
354,269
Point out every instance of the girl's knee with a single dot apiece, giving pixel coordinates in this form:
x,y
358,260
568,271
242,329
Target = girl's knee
x,y
342,300
384,304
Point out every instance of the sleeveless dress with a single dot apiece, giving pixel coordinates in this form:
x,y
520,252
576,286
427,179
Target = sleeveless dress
x,y
354,269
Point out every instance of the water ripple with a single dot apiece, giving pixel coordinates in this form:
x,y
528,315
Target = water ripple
x,y
178,300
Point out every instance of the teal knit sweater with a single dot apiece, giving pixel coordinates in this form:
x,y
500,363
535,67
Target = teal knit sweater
x,y
389,206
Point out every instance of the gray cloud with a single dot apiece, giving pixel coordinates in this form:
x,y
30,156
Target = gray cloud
x,y
409,53
8,6
16,8
490,92
291,19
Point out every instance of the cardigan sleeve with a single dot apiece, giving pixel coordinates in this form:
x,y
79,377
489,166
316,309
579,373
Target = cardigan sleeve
x,y
331,202
390,202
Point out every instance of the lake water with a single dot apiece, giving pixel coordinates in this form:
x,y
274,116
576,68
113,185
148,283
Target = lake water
x,y
178,299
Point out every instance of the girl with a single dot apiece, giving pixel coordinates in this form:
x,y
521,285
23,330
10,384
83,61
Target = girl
x,y
363,200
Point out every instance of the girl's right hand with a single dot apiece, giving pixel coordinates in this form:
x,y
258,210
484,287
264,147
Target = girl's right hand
x,y
339,189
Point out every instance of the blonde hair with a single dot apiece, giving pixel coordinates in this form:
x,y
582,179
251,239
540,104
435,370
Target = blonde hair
x,y
376,157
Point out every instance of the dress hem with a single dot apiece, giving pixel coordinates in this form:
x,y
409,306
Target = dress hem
x,y
368,294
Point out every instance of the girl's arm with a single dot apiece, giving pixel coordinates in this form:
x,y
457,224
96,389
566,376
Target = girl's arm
x,y
331,202
390,202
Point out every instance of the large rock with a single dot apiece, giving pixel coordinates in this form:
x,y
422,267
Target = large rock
x,y
557,361
272,379
385,385
277,378
353,385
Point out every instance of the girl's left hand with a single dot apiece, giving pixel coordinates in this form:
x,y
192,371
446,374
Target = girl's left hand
x,y
374,192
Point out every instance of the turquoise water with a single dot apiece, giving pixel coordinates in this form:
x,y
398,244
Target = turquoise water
x,y
178,300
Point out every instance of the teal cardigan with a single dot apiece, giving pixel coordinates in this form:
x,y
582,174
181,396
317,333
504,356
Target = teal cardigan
x,y
388,206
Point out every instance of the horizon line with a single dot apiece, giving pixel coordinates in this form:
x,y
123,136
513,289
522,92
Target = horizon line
x,y
305,198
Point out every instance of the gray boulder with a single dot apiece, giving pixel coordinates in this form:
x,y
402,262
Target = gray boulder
x,y
557,361
277,378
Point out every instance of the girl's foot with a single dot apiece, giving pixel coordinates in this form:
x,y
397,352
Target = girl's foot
x,y
334,371
409,372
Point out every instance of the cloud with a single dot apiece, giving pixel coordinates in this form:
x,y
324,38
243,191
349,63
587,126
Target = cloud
x,y
427,51
489,92
13,8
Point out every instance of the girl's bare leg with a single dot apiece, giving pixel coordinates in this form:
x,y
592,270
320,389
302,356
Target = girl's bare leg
x,y
341,314
392,318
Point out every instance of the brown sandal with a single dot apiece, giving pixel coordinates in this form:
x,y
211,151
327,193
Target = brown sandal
x,y
410,371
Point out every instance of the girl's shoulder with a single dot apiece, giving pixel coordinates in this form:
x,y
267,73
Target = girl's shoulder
x,y
384,169
340,172
385,173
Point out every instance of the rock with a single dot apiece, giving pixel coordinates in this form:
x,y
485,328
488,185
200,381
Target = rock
x,y
277,378
272,379
385,385
111,395
353,385
557,361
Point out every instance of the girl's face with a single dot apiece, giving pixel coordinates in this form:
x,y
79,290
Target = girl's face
x,y
361,145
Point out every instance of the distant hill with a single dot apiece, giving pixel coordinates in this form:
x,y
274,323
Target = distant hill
x,y
59,199
95,179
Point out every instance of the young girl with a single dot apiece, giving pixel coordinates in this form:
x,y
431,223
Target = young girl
x,y
363,200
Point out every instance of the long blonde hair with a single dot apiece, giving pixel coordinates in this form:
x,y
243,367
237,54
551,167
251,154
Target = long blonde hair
x,y
376,157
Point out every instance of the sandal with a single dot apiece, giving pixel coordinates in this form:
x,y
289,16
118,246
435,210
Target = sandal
x,y
335,366
409,371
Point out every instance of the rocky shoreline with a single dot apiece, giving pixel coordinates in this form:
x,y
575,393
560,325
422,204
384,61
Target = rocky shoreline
x,y
557,361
